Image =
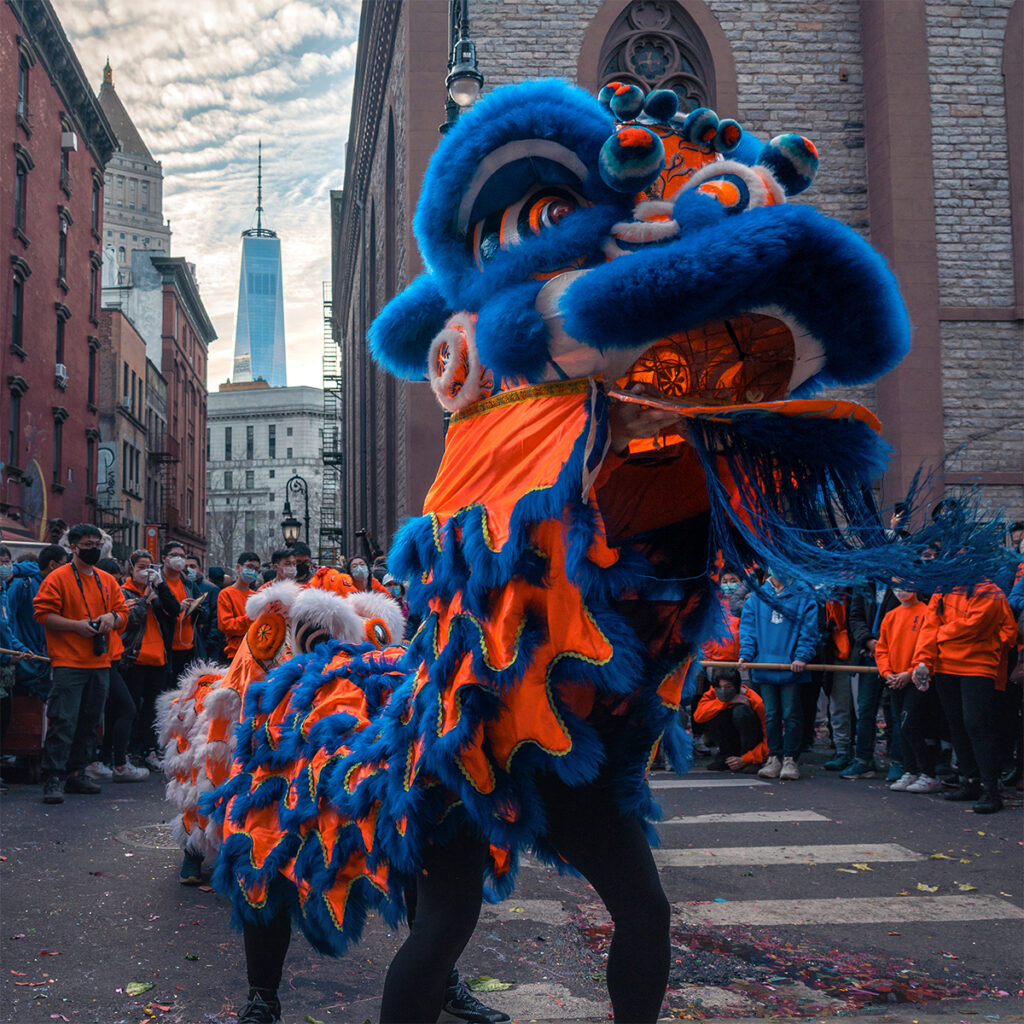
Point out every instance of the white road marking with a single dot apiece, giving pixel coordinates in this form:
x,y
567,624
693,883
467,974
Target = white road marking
x,y
852,910
674,782
836,853
744,817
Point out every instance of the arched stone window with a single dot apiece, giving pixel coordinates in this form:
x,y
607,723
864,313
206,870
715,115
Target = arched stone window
x,y
656,44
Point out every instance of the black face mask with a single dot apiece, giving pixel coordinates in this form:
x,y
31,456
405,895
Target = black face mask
x,y
303,571
89,555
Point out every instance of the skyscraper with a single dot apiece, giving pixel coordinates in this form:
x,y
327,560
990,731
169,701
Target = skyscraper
x,y
259,325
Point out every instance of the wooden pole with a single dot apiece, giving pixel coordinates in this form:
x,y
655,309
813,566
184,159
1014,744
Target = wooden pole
x,y
28,657
786,668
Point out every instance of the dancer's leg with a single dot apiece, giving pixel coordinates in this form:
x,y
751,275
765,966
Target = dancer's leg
x,y
448,895
611,851
266,947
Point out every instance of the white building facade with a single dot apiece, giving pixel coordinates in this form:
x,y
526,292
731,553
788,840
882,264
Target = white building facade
x,y
258,439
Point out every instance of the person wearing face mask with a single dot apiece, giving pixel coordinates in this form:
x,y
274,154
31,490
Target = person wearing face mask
x,y
231,617
78,606
153,613
183,641
361,576
397,591
282,562
209,640
304,567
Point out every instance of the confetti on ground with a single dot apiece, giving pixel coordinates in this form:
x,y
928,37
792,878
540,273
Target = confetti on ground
x,y
966,887
487,984
939,856
927,888
136,988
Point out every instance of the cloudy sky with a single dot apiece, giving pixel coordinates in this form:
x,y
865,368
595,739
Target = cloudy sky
x,y
203,83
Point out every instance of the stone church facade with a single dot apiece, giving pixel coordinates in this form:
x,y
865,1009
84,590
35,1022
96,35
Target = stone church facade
x,y
915,107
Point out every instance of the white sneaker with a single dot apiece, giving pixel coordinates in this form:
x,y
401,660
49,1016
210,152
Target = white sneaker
x,y
154,761
129,772
789,770
902,784
98,771
924,784
771,768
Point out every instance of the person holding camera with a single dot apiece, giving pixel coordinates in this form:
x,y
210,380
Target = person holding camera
x,y
183,639
77,605
152,615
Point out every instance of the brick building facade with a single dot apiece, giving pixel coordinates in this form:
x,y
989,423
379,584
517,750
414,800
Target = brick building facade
x,y
915,108
54,143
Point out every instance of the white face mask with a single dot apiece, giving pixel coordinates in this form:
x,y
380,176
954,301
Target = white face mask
x,y
176,562
290,572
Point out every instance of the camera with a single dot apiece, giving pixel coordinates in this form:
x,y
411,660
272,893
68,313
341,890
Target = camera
x,y
99,640
152,576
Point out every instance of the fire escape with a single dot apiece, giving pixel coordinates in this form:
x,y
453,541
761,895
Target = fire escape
x,y
163,452
331,532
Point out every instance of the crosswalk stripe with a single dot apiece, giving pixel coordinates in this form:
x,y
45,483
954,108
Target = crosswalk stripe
x,y
854,910
836,853
698,782
743,817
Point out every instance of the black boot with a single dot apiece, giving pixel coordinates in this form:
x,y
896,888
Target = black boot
x,y
263,1007
460,1002
969,789
990,801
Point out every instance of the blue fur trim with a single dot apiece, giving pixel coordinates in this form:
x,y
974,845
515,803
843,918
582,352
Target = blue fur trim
x,y
822,272
401,336
511,337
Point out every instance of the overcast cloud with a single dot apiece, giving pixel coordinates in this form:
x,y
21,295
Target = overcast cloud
x,y
203,83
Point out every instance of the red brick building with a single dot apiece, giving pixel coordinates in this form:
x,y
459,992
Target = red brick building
x,y
54,144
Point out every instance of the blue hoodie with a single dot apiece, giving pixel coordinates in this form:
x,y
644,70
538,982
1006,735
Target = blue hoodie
x,y
782,631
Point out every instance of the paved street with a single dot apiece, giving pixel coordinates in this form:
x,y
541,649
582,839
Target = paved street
x,y
805,899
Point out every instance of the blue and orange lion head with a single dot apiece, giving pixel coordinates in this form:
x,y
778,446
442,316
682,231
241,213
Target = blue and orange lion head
x,y
619,238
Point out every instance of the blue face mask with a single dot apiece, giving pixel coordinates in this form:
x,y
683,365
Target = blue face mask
x,y
729,588
190,574
250,575
360,572
6,571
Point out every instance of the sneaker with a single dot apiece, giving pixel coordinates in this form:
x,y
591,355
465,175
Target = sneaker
x,y
78,783
904,782
460,1002
969,789
129,773
154,761
858,769
98,771
838,763
771,769
191,869
895,772
923,784
260,1011
789,771
53,790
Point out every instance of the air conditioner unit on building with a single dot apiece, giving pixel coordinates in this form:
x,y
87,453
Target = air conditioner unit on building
x,y
69,140
61,375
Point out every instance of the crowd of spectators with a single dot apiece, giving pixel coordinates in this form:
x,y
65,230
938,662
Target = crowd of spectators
x,y
944,670
99,639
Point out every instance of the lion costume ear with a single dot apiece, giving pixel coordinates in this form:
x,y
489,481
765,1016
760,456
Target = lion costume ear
x,y
401,336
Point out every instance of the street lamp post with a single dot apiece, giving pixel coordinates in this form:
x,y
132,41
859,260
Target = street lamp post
x,y
464,82
290,525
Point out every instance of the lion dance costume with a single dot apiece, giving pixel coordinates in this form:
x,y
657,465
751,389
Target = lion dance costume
x,y
576,249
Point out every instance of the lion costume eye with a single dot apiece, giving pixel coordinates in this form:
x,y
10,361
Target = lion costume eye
x,y
377,632
528,217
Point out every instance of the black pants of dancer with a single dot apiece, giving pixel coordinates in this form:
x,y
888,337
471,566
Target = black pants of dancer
x,y
145,684
610,851
969,705
916,712
734,730
118,720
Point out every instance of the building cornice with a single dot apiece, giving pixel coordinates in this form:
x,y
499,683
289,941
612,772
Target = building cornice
x,y
377,26
46,36
174,270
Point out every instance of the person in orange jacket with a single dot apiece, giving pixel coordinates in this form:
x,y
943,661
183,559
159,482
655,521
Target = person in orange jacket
x,y
913,707
961,647
732,716
231,618
79,606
